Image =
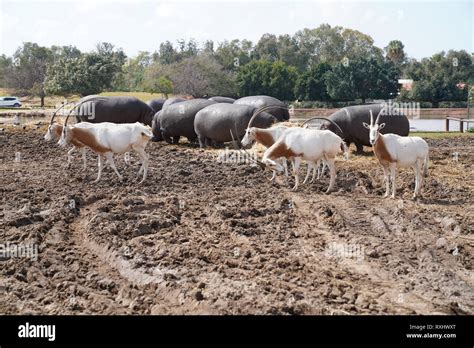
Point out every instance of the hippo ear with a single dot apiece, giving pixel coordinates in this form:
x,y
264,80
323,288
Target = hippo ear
x,y
381,125
365,125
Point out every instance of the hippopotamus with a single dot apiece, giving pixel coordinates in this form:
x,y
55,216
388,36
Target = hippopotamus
x,y
178,120
259,101
214,123
219,99
155,127
156,104
350,120
171,101
96,109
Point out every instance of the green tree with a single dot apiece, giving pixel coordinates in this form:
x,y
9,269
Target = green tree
x,y
264,77
234,54
5,66
311,85
439,77
91,73
362,78
157,79
395,52
28,69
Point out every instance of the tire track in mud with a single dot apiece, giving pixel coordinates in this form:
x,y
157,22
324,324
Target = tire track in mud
x,y
387,268
112,265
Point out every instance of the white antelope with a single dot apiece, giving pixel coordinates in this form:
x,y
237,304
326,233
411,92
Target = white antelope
x,y
54,132
394,151
311,145
107,139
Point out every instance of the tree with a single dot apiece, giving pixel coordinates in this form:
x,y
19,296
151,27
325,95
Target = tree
x,y
91,73
311,84
5,66
438,78
267,48
362,78
395,52
332,44
167,54
263,77
202,75
157,79
234,54
28,69
133,73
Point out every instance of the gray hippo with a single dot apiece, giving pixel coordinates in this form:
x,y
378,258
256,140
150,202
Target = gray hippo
x,y
96,109
350,120
171,101
259,101
219,99
214,123
156,104
178,120
155,127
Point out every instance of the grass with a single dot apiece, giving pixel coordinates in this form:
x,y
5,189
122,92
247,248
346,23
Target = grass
x,y
52,101
438,135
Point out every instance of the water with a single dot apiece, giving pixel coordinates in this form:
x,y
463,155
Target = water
x,y
435,125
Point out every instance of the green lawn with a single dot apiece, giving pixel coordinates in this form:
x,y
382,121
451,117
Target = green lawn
x,y
437,135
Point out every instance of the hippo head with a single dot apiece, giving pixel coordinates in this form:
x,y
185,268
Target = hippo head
x,y
155,128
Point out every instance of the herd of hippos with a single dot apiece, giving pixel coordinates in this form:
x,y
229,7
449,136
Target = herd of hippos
x,y
218,120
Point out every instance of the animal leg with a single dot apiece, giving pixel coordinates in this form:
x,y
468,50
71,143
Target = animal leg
x,y
386,174
110,159
84,159
393,172
144,158
69,156
308,172
296,167
285,166
332,173
101,166
316,170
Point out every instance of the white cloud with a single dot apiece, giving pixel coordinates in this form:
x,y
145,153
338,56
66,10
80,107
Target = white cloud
x,y
167,10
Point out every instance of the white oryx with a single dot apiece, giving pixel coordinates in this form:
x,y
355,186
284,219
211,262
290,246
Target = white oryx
x,y
394,151
107,139
311,145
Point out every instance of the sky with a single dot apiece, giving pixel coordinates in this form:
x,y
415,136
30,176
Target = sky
x,y
424,27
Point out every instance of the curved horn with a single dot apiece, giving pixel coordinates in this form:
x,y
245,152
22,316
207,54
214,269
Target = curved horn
x,y
264,108
371,117
54,114
378,116
325,119
79,104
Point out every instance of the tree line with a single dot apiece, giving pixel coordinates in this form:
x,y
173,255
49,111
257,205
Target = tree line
x,y
326,64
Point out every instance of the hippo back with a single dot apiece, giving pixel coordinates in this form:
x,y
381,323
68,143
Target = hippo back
x,y
156,104
350,119
259,101
171,101
219,99
216,121
178,119
96,109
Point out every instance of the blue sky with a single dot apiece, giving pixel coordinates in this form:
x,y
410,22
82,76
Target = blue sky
x,y
425,27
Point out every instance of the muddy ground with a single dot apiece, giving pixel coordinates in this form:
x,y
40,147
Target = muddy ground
x,y
201,236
